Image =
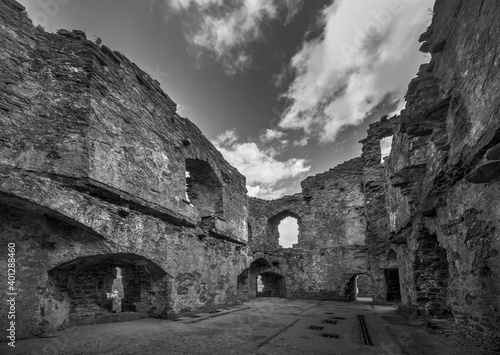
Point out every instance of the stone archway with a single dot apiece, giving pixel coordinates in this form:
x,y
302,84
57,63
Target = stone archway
x,y
257,267
359,285
273,285
86,290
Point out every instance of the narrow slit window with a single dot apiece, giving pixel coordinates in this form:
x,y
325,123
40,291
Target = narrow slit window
x,y
385,148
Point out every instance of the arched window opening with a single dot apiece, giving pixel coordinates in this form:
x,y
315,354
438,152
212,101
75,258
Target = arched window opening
x,y
203,188
385,148
288,232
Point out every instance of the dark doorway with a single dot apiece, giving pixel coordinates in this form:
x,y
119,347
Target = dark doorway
x,y
392,287
270,285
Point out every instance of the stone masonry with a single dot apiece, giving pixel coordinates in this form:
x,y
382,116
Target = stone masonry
x,y
331,245
92,177
120,208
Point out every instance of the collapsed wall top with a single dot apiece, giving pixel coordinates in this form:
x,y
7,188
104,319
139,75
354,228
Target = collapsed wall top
x,y
84,115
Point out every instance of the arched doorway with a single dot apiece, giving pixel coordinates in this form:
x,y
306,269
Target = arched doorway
x,y
107,288
389,279
392,286
271,285
364,288
264,281
359,288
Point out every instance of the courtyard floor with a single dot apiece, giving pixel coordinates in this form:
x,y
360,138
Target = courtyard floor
x,y
262,326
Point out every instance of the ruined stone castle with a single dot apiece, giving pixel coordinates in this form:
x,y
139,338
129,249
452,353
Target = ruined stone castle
x,y
101,179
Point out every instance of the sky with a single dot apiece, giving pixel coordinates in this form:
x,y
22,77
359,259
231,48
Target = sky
x,y
284,89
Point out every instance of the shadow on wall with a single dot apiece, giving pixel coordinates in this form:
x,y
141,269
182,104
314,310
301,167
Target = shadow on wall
x,y
242,286
431,276
203,188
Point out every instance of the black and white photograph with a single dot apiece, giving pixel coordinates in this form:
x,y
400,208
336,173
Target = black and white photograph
x,y
250,177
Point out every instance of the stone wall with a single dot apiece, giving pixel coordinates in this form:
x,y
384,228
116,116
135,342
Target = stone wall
x,y
377,218
93,168
442,178
99,172
330,248
80,111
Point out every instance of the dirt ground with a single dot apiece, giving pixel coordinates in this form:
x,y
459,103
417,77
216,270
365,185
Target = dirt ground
x,y
262,326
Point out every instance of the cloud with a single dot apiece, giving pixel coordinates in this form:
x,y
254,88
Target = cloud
x,y
289,231
225,28
301,142
227,138
261,166
266,192
270,135
368,51
182,109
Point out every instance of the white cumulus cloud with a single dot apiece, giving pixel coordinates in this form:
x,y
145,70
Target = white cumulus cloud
x,y
261,166
270,135
367,53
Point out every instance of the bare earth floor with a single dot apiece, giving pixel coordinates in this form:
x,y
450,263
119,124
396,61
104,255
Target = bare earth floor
x,y
262,326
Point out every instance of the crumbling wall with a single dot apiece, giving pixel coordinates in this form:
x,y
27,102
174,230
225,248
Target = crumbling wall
x,y
85,112
330,248
93,162
442,177
93,176
377,218
329,210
